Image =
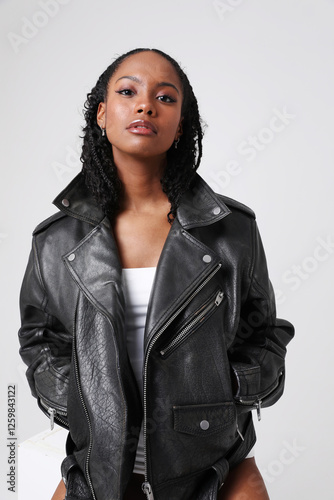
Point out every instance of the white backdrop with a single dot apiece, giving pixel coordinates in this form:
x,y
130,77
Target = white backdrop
x,y
263,74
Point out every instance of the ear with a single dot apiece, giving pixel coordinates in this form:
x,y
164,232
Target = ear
x,y
100,116
179,131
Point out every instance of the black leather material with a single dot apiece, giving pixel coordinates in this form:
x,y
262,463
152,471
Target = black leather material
x,y
73,341
74,479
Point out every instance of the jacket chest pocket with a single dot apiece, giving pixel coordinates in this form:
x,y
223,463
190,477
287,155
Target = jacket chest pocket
x,y
205,419
192,323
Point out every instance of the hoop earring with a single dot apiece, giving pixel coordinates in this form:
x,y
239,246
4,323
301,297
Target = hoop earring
x,y
176,142
103,132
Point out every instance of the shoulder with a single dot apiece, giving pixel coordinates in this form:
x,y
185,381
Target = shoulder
x,y
45,224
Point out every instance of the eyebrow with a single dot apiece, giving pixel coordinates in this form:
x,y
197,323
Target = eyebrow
x,y
160,84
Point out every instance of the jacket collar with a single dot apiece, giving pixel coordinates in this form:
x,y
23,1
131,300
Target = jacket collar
x,y
77,201
200,205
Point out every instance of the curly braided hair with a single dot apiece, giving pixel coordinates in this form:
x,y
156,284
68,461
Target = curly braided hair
x,y
99,169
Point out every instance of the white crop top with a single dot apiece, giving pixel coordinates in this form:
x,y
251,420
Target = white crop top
x,y
137,284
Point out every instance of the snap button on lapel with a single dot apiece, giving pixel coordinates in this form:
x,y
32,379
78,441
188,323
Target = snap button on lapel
x,y
216,211
207,259
65,202
204,425
71,257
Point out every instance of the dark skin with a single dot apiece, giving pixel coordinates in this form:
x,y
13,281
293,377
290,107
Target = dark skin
x,y
142,88
146,87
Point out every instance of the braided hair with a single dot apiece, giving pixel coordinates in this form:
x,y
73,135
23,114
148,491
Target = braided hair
x,y
99,169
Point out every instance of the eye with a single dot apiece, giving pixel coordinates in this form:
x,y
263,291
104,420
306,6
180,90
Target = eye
x,y
166,98
125,92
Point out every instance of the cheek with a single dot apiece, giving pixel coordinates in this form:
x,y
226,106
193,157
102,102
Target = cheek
x,y
174,125
117,113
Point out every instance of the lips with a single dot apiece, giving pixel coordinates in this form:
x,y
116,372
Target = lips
x,y
142,126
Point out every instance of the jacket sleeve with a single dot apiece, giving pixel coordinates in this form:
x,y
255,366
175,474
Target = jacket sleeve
x,y
259,348
45,345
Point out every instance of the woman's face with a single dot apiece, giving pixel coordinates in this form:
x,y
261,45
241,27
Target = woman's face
x,y
142,110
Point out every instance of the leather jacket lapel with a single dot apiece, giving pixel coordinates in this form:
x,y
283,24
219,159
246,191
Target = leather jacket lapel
x,y
184,263
95,267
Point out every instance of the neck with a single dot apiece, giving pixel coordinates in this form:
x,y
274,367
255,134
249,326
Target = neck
x,y
140,178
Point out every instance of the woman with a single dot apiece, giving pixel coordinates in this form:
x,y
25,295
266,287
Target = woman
x,y
148,319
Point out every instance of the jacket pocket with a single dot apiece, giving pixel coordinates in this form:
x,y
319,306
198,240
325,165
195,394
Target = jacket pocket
x,y
201,315
204,419
55,413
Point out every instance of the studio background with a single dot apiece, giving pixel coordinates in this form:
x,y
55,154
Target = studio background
x,y
262,71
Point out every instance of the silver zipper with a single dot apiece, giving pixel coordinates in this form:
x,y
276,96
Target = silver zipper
x,y
85,409
187,330
257,404
239,432
146,487
54,413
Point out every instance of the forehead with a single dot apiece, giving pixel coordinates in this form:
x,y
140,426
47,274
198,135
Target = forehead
x,y
148,65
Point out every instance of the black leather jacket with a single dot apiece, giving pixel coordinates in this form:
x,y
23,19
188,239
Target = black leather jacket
x,y
211,314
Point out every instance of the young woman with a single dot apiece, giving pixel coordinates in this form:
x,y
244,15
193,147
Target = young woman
x,y
148,319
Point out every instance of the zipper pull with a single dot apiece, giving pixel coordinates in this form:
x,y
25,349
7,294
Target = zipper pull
x,y
146,487
238,431
52,412
219,298
258,409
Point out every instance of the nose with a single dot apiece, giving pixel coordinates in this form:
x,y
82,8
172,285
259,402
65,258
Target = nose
x,y
145,105
141,110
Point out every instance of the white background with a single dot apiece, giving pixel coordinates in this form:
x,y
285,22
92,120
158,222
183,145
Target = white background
x,y
248,61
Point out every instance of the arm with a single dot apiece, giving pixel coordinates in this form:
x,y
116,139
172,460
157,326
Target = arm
x,y
244,481
258,351
45,345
